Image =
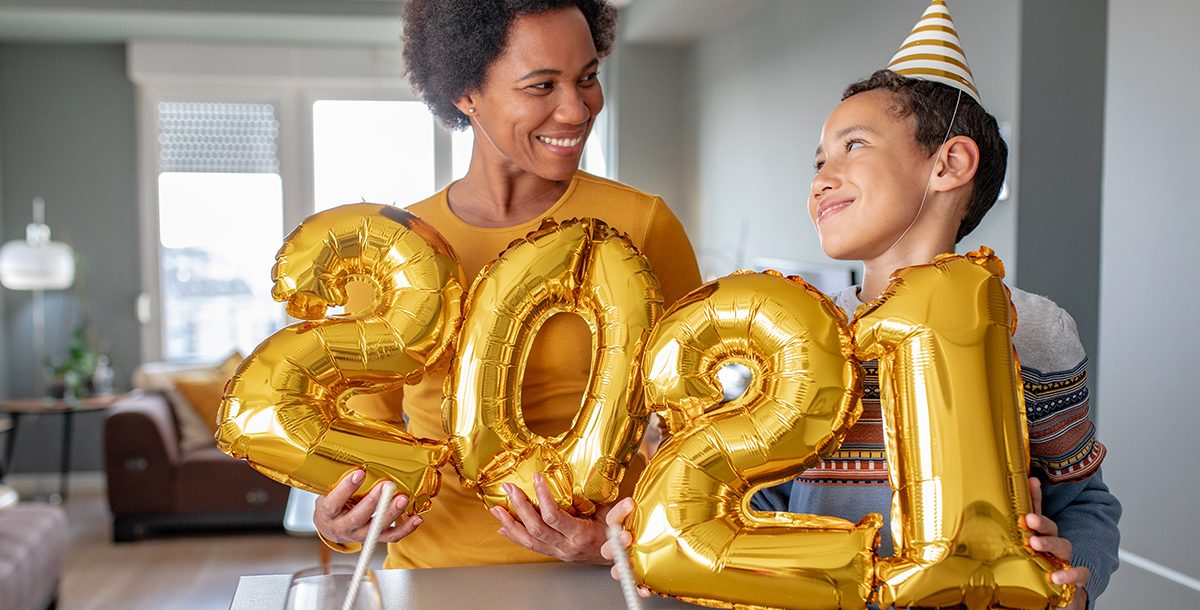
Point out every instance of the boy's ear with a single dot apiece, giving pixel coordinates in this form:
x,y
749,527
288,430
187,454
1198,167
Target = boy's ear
x,y
957,164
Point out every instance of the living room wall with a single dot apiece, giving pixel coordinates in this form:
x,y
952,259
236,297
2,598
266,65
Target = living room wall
x,y
67,134
761,89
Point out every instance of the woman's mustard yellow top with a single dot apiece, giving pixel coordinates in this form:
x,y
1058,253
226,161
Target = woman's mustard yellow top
x,y
458,530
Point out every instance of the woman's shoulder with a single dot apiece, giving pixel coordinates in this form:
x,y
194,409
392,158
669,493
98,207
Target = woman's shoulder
x,y
431,205
590,186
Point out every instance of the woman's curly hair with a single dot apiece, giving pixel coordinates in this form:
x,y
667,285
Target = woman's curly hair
x,y
449,44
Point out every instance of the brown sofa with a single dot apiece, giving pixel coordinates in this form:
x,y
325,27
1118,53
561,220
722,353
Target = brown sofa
x,y
155,486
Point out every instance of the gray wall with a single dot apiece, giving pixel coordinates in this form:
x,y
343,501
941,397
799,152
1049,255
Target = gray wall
x,y
67,134
1149,290
762,87
649,119
1062,144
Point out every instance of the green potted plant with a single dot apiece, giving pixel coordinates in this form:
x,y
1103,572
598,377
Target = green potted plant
x,y
71,378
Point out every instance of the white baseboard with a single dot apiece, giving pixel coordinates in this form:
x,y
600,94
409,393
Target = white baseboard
x,y
1158,569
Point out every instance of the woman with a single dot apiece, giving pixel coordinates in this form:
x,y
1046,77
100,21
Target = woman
x,y
523,75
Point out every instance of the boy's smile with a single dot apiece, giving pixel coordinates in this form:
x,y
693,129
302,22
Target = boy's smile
x,y
871,177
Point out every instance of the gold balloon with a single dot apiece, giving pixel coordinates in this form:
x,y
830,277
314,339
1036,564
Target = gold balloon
x,y
694,535
956,438
285,410
583,267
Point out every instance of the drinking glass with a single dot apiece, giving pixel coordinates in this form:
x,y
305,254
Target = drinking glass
x,y
326,587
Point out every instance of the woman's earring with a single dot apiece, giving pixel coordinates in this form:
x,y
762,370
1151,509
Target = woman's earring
x,y
470,111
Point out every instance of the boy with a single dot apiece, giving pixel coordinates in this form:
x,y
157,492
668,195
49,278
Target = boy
x,y
908,164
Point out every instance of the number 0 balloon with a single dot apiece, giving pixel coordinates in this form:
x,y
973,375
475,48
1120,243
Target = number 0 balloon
x,y
581,267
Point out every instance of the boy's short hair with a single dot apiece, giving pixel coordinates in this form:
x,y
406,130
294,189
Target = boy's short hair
x,y
931,105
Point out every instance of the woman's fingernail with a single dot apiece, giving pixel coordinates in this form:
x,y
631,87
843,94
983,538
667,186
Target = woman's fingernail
x,y
357,476
417,521
537,478
508,489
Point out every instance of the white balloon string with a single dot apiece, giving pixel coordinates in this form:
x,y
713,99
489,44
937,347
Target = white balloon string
x,y
932,169
486,136
628,587
368,547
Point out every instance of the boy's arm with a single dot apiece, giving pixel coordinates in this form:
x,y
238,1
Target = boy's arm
x,y
772,499
1087,515
1064,452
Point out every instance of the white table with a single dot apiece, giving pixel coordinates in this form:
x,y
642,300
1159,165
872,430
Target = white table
x,y
562,586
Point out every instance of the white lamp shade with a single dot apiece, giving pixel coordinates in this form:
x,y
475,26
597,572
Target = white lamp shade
x,y
24,266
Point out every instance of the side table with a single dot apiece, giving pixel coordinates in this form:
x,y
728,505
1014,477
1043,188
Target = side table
x,y
16,409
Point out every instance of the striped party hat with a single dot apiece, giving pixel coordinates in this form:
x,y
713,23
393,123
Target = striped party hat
x,y
932,52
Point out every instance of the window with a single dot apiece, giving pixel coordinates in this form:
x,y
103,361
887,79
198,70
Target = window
x,y
219,194
239,144
374,151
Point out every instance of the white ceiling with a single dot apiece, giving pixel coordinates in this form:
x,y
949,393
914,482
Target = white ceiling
x,y
368,22
678,22
318,21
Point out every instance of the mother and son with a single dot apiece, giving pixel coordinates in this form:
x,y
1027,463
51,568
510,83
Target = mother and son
x,y
907,165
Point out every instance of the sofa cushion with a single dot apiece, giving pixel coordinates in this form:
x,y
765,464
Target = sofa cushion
x,y
202,392
194,392
33,542
210,481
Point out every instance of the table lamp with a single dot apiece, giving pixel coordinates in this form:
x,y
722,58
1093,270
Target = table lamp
x,y
37,264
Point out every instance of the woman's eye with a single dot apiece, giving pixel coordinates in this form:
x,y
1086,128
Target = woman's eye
x,y
591,78
854,144
818,165
546,86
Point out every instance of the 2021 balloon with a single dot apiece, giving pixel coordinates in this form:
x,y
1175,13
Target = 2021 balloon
x,y
582,267
950,383
285,411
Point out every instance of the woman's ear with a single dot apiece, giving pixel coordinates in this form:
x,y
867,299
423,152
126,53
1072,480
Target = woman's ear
x,y
466,105
957,164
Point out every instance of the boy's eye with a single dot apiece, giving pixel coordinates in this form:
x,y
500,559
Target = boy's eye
x,y
854,144
818,165
591,78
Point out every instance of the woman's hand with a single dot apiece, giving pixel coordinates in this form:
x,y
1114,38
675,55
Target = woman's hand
x,y
549,530
340,521
1047,541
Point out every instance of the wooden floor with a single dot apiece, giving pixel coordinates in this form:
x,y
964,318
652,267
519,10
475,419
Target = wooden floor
x,y
189,572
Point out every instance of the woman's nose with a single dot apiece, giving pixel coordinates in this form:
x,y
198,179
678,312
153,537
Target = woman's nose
x,y
572,109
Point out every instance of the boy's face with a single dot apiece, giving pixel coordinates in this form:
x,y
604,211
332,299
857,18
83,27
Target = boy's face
x,y
871,176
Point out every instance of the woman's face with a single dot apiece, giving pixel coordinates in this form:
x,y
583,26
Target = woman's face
x,y
540,95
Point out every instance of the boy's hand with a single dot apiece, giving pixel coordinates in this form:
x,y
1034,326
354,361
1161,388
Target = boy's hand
x,y
1047,541
549,530
616,517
